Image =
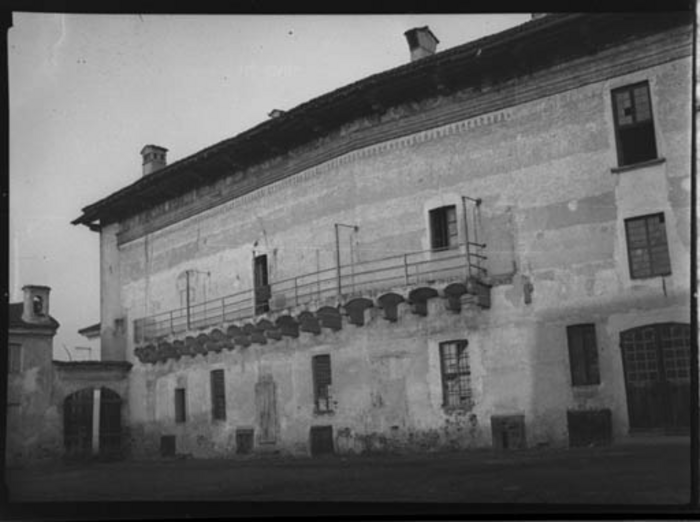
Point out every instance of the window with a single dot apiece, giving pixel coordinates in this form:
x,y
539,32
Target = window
x,y
38,304
647,248
634,124
15,363
443,227
180,409
218,395
583,354
456,375
321,369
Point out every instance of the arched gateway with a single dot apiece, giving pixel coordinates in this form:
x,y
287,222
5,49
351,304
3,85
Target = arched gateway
x,y
92,423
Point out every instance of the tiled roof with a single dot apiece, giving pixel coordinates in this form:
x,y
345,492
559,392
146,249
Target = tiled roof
x,y
15,319
92,329
308,119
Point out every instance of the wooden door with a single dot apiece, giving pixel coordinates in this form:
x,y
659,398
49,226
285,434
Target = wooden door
x,y
266,405
110,422
77,423
656,360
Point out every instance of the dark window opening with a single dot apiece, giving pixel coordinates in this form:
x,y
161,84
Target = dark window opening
x,y
583,354
443,227
634,124
456,374
167,446
321,370
262,286
647,246
180,408
218,395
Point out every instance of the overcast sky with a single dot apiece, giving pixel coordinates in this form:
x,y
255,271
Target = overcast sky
x,y
87,92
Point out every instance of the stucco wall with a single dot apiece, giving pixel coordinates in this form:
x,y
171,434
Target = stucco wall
x,y
552,216
34,423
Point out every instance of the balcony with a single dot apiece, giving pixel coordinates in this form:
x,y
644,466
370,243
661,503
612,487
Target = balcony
x,y
336,285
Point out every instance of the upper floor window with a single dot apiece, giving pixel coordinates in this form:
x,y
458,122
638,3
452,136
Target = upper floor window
x,y
456,374
583,354
634,124
647,247
443,227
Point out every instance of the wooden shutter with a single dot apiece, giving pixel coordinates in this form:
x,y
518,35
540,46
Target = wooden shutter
x,y
218,395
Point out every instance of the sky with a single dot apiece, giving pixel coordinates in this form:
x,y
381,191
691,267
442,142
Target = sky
x,y
87,92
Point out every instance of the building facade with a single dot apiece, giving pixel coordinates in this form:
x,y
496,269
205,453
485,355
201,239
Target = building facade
x,y
58,409
487,246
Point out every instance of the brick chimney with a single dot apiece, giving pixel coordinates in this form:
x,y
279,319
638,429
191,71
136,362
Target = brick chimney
x,y
36,304
153,158
421,42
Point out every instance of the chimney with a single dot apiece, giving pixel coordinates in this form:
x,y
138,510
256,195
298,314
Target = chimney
x,y
535,16
275,113
36,304
421,42
153,158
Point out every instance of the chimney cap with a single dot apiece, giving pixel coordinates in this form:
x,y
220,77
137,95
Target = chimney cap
x,y
148,148
274,113
424,29
36,287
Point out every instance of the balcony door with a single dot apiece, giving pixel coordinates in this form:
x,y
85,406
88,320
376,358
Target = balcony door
x,y
261,283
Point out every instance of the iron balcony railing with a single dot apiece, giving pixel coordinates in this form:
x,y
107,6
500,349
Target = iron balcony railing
x,y
343,282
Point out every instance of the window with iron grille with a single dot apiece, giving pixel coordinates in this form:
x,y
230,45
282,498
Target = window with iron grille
x,y
647,247
583,354
634,124
443,227
321,370
456,374
218,395
180,405
15,363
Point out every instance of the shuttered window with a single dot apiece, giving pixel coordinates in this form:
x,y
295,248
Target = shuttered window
x,y
634,124
647,247
321,369
583,354
180,405
218,395
443,227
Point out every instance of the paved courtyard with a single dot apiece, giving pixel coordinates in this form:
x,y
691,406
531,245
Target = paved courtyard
x,y
623,474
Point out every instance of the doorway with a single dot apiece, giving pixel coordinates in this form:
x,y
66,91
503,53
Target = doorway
x,y
79,422
261,284
656,362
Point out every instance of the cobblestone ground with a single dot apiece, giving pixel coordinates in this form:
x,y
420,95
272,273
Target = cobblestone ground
x,y
628,474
